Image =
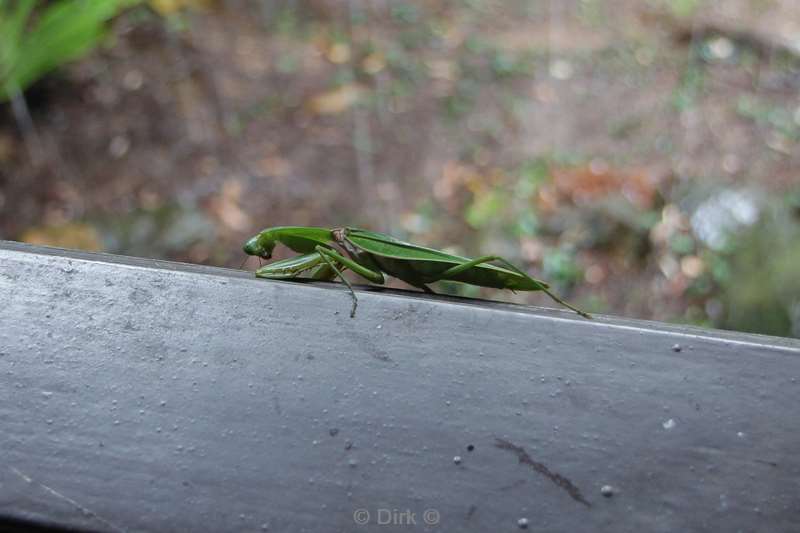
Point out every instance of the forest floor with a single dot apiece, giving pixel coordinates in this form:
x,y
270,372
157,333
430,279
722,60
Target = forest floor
x,y
643,156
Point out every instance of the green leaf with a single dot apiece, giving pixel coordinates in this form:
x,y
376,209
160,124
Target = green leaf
x,y
485,208
63,31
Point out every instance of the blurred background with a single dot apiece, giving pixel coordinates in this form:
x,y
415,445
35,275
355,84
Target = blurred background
x,y
643,156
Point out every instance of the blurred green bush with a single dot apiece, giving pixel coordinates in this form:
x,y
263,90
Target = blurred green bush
x,y
38,36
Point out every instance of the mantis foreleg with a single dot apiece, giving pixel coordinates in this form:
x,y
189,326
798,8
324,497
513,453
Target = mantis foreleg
x,y
328,264
332,257
290,268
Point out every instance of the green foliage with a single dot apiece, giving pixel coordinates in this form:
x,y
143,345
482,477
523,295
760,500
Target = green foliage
x,y
462,100
532,174
681,244
37,37
625,127
561,267
486,208
683,8
755,281
405,13
691,84
763,296
508,204
506,65
778,118
592,13
161,231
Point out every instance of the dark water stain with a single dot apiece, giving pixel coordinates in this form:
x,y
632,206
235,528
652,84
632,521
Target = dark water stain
x,y
471,511
541,468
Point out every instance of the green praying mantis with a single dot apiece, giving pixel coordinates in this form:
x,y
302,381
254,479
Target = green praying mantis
x,y
370,254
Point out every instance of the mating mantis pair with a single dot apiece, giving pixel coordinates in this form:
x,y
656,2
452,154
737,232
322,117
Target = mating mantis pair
x,y
370,255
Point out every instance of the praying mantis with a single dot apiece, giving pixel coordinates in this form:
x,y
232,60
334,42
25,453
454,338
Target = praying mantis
x,y
370,254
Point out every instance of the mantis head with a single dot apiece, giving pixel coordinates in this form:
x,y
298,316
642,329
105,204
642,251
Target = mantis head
x,y
260,246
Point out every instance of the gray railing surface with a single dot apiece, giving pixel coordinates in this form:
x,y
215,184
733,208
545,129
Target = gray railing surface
x,y
140,395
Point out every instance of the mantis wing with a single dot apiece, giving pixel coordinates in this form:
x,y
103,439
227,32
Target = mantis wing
x,y
417,265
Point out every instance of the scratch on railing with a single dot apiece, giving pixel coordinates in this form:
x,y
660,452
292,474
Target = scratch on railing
x,y
67,499
555,477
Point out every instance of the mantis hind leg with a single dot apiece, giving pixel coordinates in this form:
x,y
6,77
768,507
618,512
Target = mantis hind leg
x,y
544,289
454,271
